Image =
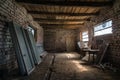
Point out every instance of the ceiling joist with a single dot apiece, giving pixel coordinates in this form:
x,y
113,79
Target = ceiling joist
x,y
61,24
67,3
62,13
61,27
59,20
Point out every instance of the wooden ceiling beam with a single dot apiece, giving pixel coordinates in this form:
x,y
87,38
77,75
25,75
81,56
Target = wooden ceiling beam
x,y
62,13
60,24
68,3
59,20
61,27
69,23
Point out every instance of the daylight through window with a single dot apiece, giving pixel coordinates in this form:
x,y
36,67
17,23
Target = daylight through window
x,y
85,36
103,28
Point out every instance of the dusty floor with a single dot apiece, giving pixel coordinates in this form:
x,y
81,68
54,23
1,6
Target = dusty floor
x,y
67,66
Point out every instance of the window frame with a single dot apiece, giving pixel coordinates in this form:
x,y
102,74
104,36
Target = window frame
x,y
31,29
85,36
103,27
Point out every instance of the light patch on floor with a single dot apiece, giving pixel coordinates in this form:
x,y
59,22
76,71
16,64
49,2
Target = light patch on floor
x,y
70,55
80,67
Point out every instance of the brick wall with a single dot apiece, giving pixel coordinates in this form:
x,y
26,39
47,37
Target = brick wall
x,y
8,60
14,12
115,58
11,11
59,40
112,13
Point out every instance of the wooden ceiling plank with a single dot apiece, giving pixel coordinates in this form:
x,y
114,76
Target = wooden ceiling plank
x,y
63,14
79,23
52,20
60,24
70,3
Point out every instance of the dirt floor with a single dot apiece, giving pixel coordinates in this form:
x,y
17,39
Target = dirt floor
x,y
67,66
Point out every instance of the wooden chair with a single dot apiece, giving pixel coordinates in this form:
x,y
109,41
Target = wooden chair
x,y
101,53
99,49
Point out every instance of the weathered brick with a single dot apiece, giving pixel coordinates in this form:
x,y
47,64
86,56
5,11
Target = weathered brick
x,y
59,40
11,11
112,13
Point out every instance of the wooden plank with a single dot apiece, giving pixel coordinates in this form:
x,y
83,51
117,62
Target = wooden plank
x,y
32,45
62,13
24,58
60,20
68,3
104,52
61,25
55,22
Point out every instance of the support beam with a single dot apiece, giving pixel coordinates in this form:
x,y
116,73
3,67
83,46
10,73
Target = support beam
x,y
68,3
61,24
61,27
59,20
53,26
69,23
62,13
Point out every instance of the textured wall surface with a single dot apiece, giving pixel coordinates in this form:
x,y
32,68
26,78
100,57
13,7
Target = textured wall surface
x,y
116,35
11,11
59,40
112,13
8,60
14,12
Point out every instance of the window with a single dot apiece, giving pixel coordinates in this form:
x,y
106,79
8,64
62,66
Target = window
x,y
85,36
103,28
85,39
31,30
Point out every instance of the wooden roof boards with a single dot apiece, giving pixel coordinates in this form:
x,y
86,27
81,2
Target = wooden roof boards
x,y
79,3
63,11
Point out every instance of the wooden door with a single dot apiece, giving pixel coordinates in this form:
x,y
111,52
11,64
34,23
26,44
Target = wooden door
x,y
33,48
24,56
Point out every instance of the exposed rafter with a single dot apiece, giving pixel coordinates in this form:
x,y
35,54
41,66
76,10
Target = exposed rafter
x,y
60,24
64,27
53,26
63,14
68,3
60,20
73,23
